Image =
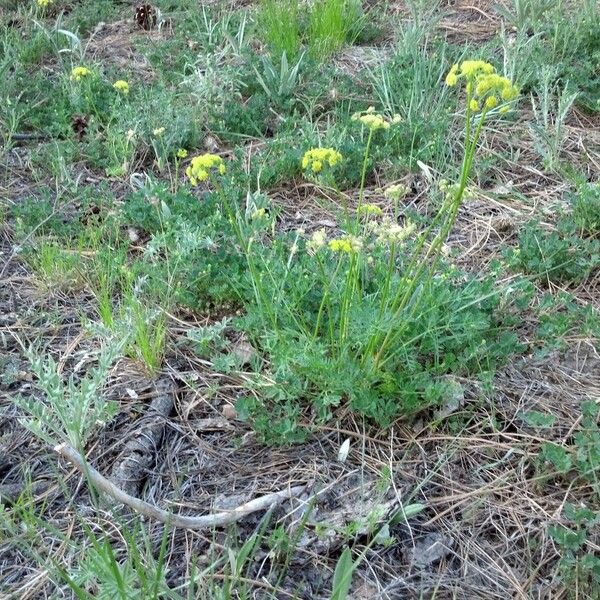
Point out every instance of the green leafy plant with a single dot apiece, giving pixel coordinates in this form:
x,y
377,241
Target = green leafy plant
x,y
527,13
581,458
409,84
148,329
71,409
551,106
579,565
369,316
586,209
555,256
279,83
562,317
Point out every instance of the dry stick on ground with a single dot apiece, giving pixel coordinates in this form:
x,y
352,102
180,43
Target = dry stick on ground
x,y
152,512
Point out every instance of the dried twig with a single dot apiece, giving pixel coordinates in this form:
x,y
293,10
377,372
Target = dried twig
x,y
146,509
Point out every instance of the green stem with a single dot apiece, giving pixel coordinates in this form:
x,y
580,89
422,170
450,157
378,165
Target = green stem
x,y
439,239
326,295
363,175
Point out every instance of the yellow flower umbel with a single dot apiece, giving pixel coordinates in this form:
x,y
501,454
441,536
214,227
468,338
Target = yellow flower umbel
x,y
485,88
121,86
78,73
44,3
348,244
316,159
369,210
202,166
374,121
182,153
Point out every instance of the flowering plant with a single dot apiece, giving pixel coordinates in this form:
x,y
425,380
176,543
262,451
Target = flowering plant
x,y
202,166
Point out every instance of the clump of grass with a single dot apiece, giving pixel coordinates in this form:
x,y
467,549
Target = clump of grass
x,y
332,23
328,25
280,25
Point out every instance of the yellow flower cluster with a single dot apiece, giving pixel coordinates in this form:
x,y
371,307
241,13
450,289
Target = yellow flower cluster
x,y
485,87
44,3
201,167
78,73
369,210
374,121
259,213
121,86
317,158
348,244
181,153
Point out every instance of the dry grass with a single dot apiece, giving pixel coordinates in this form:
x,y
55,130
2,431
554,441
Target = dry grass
x,y
484,532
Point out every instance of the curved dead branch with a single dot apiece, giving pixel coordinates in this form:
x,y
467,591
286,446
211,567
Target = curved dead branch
x,y
152,512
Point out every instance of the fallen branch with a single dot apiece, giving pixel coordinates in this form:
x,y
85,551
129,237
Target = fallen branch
x,y
152,512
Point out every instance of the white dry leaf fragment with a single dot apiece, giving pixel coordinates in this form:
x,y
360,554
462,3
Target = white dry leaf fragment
x,y
454,398
343,451
503,189
228,411
243,351
326,223
80,364
426,170
131,393
134,235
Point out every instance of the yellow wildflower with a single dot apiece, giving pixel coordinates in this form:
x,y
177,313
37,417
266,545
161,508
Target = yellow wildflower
x,y
473,68
491,102
483,85
77,73
201,167
181,153
348,244
369,209
121,86
316,159
44,3
158,132
452,77
259,213
509,92
371,120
